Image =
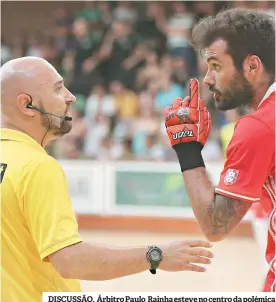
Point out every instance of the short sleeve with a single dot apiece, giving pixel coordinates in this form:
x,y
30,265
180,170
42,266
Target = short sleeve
x,y
249,158
47,207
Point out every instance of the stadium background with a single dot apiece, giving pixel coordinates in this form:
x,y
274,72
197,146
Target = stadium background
x,y
125,62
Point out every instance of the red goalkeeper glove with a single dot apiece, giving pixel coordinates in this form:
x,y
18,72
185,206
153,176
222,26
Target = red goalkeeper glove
x,y
188,125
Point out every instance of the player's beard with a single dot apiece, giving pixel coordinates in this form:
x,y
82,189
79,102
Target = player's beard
x,y
48,122
239,93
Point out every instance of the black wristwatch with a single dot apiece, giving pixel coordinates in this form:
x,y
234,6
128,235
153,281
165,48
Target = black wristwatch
x,y
154,256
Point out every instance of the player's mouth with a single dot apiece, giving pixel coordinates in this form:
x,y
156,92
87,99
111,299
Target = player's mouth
x,y
216,97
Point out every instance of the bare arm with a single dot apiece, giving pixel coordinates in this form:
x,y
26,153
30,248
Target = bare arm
x,y
217,215
106,47
85,261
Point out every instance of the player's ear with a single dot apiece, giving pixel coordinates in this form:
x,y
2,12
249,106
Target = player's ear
x,y
252,66
23,100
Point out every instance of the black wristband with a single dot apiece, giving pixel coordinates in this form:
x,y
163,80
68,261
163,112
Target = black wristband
x,y
189,155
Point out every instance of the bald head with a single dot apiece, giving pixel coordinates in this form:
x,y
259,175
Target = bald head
x,y
34,81
25,66
24,75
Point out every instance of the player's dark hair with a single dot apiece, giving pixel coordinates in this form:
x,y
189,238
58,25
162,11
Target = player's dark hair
x,y
247,32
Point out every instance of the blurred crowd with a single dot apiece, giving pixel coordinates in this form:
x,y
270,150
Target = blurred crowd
x,y
126,61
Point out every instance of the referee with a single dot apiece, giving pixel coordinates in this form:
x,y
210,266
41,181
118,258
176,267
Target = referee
x,y
42,250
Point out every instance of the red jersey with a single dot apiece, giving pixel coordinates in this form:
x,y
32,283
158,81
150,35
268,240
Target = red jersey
x,y
258,211
249,170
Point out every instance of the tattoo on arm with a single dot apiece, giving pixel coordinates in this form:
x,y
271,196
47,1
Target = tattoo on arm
x,y
226,213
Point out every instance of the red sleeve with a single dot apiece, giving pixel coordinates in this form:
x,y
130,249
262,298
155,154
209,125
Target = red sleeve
x,y
249,159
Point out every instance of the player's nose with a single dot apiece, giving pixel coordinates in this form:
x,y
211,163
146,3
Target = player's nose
x,y
209,79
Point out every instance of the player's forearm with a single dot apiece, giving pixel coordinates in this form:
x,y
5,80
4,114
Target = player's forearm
x,y
98,262
201,194
217,215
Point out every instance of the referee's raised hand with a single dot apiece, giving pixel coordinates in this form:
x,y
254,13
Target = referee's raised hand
x,y
188,255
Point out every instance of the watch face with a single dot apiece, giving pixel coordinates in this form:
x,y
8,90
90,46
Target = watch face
x,y
155,255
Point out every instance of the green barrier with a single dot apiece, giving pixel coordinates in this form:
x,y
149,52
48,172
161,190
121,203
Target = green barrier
x,y
151,189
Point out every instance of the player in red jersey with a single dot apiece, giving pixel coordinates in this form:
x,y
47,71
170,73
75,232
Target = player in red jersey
x,y
239,48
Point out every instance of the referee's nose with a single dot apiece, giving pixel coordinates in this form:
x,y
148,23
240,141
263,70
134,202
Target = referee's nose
x,y
69,97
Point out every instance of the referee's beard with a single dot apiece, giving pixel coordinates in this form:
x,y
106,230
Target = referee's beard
x,y
48,122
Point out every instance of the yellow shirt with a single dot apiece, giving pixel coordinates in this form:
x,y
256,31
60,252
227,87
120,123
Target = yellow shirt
x,y
37,219
226,133
127,104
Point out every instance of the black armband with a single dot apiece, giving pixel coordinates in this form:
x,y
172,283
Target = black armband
x,y
189,155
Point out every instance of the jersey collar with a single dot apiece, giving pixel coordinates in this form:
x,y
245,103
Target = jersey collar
x,y
270,90
15,135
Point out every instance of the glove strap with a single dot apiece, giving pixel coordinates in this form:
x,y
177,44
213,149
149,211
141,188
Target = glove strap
x,y
189,155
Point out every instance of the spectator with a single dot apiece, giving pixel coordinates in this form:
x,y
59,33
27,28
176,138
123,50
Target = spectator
x,y
116,47
35,47
125,11
90,12
147,97
203,9
149,26
154,150
178,28
109,150
81,57
106,12
99,102
180,71
150,72
126,101
97,129
166,64
60,33
145,125
168,91
132,65
127,153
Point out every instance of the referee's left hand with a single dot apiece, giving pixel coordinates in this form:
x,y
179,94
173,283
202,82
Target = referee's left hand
x,y
188,255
